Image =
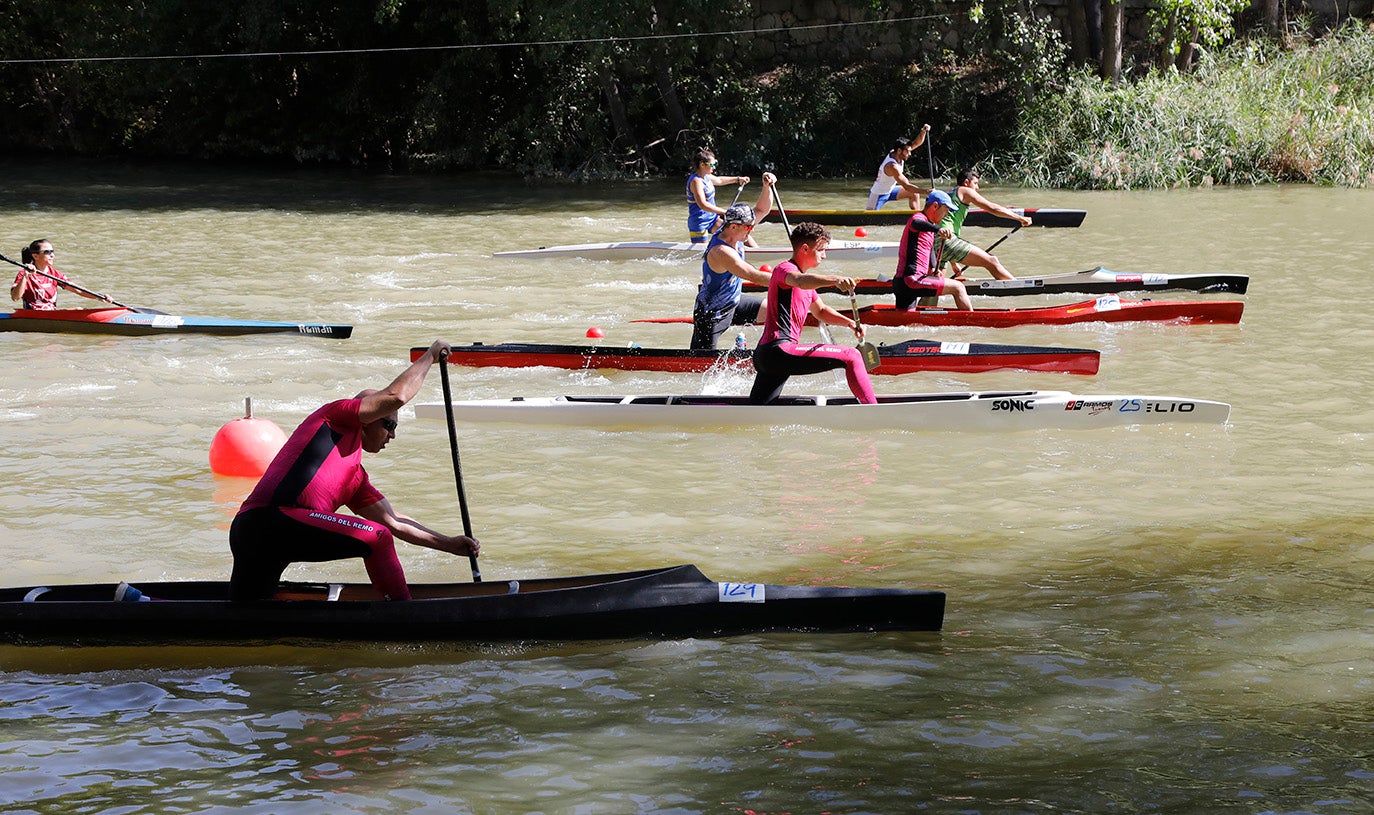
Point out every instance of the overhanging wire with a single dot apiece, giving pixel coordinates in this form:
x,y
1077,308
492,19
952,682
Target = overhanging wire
x,y
476,46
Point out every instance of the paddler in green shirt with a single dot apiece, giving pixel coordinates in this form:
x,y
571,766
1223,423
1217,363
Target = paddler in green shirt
x,y
957,250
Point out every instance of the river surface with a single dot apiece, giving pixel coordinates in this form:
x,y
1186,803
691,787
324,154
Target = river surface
x,y
1160,619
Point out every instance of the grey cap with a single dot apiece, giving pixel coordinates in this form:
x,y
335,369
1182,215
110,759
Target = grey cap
x,y
739,214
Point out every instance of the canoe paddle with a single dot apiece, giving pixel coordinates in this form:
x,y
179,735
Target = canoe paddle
x,y
457,469
777,201
866,349
1004,237
70,285
738,190
930,160
720,223
955,267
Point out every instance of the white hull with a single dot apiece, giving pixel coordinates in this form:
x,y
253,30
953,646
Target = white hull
x,y
986,410
641,250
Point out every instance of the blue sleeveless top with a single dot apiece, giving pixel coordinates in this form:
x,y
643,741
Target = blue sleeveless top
x,y
719,290
700,221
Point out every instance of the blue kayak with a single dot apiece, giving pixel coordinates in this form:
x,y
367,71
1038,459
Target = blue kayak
x,y
141,322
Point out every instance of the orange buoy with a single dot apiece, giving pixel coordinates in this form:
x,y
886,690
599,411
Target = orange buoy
x,y
861,233
595,333
244,447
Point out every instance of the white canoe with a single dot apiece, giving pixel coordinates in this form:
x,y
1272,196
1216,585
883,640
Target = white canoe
x,y
982,410
642,250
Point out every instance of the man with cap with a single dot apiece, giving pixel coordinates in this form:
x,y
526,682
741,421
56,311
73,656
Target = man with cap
x,y
720,300
892,183
918,257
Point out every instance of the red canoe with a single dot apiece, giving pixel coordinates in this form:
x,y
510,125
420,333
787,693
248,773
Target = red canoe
x,y
1107,309
1092,281
899,358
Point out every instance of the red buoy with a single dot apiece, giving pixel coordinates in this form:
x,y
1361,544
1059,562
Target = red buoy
x,y
244,447
764,267
595,333
861,233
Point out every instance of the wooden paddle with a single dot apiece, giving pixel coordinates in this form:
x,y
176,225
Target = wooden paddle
x,y
867,350
70,285
457,469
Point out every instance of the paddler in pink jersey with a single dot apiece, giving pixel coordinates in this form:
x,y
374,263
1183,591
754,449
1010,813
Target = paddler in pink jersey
x,y
791,296
35,287
290,515
918,257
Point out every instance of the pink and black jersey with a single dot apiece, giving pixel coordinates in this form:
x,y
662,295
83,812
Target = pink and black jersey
x,y
918,255
787,306
320,466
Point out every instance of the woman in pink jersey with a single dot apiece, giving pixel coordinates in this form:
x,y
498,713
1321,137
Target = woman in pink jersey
x,y
290,515
791,296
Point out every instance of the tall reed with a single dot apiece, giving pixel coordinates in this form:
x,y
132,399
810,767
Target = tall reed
x,y
1253,113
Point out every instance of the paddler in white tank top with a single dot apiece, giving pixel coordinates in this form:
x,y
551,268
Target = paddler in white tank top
x,y
892,183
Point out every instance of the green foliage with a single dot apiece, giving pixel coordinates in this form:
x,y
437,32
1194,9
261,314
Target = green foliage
x,y
1251,114
1211,21
570,88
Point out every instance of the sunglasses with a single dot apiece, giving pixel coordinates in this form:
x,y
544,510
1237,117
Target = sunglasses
x,y
388,424
44,252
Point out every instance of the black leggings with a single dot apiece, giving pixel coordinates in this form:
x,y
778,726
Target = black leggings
x,y
268,539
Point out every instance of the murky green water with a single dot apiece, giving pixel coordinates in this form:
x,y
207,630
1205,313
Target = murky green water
x,y
1159,619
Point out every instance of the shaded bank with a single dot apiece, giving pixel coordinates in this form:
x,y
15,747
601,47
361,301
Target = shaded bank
x,y
591,90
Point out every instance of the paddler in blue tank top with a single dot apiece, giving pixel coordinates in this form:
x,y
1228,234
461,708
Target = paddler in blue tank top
x,y
720,300
702,211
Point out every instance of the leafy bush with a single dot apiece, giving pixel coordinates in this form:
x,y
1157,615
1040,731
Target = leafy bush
x,y
1252,113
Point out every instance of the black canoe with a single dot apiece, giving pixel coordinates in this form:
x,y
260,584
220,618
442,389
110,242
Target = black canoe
x,y
895,215
672,602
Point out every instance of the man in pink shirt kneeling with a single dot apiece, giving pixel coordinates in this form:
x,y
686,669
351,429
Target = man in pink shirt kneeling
x,y
290,515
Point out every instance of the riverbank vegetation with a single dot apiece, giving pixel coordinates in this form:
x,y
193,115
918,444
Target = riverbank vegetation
x,y
589,89
1255,112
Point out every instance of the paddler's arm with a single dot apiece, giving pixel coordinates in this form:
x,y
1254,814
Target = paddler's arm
x,y
388,400
810,280
765,204
830,316
21,285
903,181
699,195
725,259
89,294
972,196
412,531
920,137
